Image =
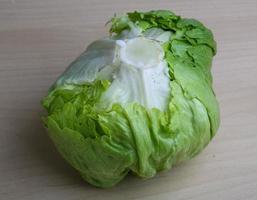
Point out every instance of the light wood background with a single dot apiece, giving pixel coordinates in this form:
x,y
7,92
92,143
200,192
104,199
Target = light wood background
x,y
38,39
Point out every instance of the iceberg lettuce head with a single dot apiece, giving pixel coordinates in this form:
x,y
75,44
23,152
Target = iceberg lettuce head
x,y
139,100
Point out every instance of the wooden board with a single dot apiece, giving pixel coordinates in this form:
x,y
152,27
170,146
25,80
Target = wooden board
x,y
38,39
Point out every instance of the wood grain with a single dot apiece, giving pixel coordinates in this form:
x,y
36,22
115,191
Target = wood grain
x,y
38,39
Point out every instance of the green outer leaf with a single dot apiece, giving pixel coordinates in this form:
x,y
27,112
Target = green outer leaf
x,y
95,159
132,138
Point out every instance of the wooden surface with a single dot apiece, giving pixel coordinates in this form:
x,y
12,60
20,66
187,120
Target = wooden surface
x,y
38,39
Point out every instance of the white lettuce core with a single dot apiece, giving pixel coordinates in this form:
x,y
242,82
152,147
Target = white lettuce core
x,y
135,67
140,74
141,52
